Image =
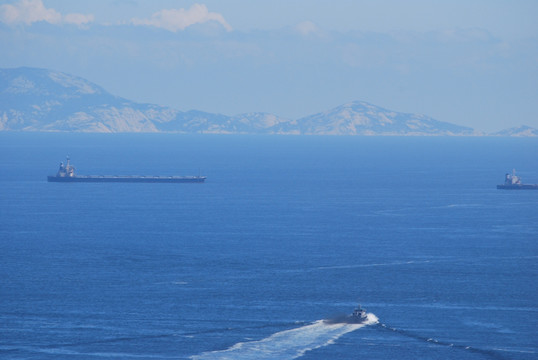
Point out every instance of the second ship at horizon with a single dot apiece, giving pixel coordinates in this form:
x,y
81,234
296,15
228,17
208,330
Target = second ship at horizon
x,y
66,173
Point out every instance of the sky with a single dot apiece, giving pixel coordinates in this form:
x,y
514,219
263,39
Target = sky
x,y
472,62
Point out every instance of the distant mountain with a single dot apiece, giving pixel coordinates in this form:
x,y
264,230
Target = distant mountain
x,y
43,100
523,131
362,118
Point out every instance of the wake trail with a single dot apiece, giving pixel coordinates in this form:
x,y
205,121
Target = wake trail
x,y
288,344
490,353
153,336
63,348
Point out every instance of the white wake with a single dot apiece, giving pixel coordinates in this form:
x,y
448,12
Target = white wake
x,y
288,344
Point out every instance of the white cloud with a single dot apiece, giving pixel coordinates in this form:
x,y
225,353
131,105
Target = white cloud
x,y
31,11
306,27
78,19
310,29
179,19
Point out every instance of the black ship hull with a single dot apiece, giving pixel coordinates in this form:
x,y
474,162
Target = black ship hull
x,y
127,179
518,187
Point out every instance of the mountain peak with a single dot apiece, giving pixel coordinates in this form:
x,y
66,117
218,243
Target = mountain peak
x,y
74,83
35,81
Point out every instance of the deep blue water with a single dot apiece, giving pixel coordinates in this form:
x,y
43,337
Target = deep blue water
x,y
286,231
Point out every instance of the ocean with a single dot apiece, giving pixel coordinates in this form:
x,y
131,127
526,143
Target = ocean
x,y
285,232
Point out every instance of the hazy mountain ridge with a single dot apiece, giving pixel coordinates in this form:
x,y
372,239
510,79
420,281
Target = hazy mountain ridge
x,y
43,100
521,131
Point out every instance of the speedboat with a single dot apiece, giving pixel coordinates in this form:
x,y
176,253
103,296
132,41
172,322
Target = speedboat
x,y
358,316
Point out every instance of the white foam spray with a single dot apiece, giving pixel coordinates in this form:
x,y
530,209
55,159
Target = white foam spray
x,y
288,344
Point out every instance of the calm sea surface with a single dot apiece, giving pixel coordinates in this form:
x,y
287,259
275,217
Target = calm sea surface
x,y
286,231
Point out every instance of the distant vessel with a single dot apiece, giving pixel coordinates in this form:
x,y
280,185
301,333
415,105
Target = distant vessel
x,y
513,182
66,173
358,316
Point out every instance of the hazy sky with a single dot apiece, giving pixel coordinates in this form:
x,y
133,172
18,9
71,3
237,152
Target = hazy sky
x,y
472,62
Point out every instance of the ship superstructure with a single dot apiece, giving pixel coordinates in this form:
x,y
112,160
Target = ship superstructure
x,y
513,182
66,170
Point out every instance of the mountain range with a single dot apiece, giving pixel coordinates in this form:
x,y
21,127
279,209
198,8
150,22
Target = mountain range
x,y
33,99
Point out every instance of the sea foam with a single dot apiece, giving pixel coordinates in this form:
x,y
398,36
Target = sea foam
x,y
288,344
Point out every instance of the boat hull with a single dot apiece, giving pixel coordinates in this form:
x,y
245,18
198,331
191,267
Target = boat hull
x,y
127,179
518,187
346,319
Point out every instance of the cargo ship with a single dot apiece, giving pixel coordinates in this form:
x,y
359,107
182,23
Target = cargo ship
x,y
66,173
513,182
